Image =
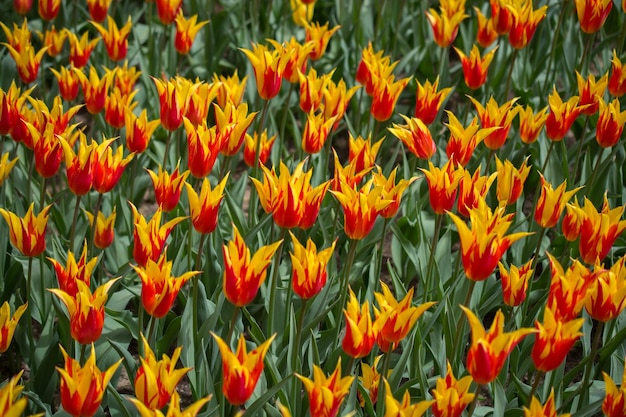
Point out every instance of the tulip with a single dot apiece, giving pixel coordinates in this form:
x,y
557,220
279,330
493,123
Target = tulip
x,y
568,289
385,95
268,69
232,123
19,37
395,319
610,123
156,381
336,99
8,325
10,405
370,61
298,58
54,40
86,310
463,141
326,393
150,236
370,380
204,207
486,33
319,36
125,78
475,67
95,89
483,245
428,100
22,7
572,221
139,130
79,165
451,396
599,230
501,16
173,409
395,408
98,9
103,229
49,9
82,387
115,39
442,185
472,189
5,167
308,267
497,117
489,349
204,145
617,79
74,271
244,273
524,23
348,174
312,89
553,340
167,187
241,370
174,97
230,89
515,282
538,410
302,11
391,191
607,294
416,137
167,10
199,102
614,403
10,103
511,180
108,167
362,152
561,116
250,146
592,14
590,92
68,83
186,31
28,233
445,28
80,49
530,124
360,335
27,61
551,203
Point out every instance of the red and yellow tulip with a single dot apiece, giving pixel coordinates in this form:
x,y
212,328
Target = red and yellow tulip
x,y
186,31
308,267
204,206
167,187
326,393
475,66
443,185
150,236
515,282
553,340
8,324
451,396
74,271
416,136
115,39
614,403
360,335
28,233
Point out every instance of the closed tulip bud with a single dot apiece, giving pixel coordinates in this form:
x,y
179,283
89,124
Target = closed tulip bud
x,y
241,370
572,221
167,10
98,9
139,130
617,79
68,83
524,22
501,16
592,14
49,9
82,387
445,27
486,33
610,123
22,6
316,132
510,184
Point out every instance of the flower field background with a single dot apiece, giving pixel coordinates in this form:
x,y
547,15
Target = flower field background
x,y
330,207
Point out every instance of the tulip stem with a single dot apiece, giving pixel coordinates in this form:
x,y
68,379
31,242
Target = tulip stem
x,y
345,285
295,363
274,285
584,392
94,223
585,58
167,148
533,390
545,163
508,79
82,353
74,218
196,282
460,321
31,305
470,412
283,124
382,246
431,259
257,153
534,264
581,140
233,323
151,332
380,399
42,195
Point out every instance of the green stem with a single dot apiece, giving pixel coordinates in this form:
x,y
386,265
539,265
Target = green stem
x,y
283,122
252,205
431,259
233,324
461,321
83,350
584,392
581,140
381,247
74,218
344,286
508,79
295,363
274,285
584,60
533,266
470,412
42,195
622,39
31,305
538,376
167,148
545,163
93,226
140,315
153,321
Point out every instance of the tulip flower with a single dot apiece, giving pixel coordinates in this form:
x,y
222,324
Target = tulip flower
x,y
159,288
156,381
590,92
10,405
472,189
49,9
86,310
68,83
8,325
95,89
568,289
501,16
442,185
79,165
572,221
125,78
174,97
348,174
485,34
27,61
115,39
515,282
498,117
312,89
370,61
489,349
319,36
308,267
463,141
561,116
98,9
108,167
592,14
80,49
167,10
230,89
614,403
483,245
617,79
370,380
524,23
204,207
10,103
82,387
186,31
298,58
268,69
204,145
610,123
538,410
553,340
22,7
302,11
599,230
530,124
551,203
607,294
139,130
475,67
244,273
326,393
416,137
74,271
19,37
451,396
336,99
28,233
250,146
241,370
428,100
362,152
445,27
391,191
385,95
395,408
395,319
103,228
360,207
54,40
360,335
167,187
510,184
199,102
5,167
149,236
232,123
173,408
